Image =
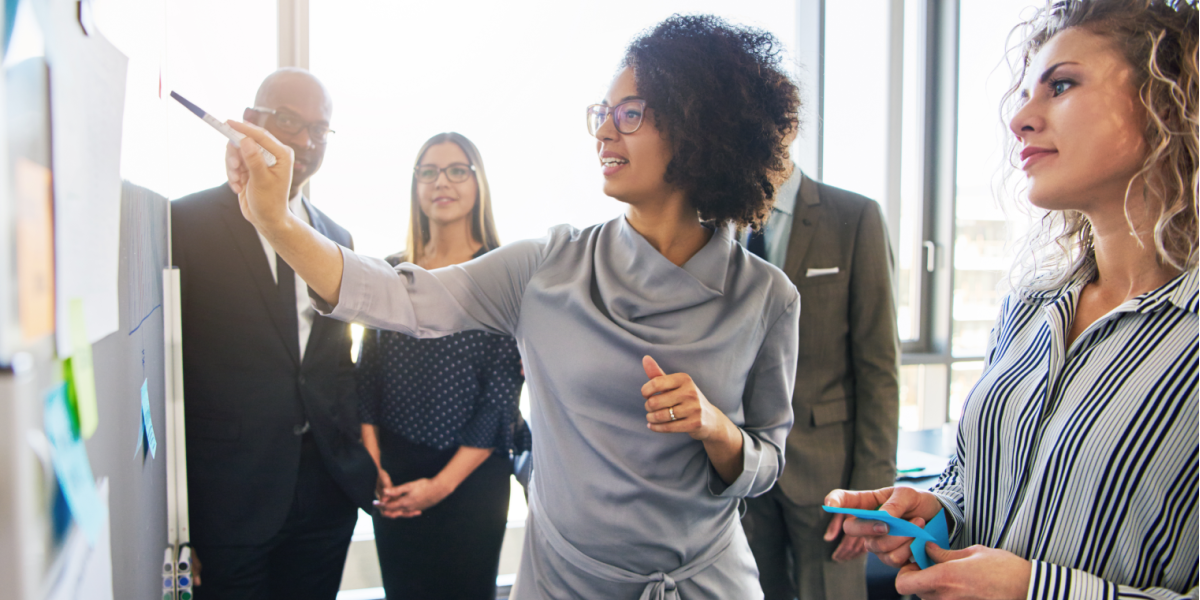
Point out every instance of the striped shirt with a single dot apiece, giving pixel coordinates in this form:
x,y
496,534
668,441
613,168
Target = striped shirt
x,y
1084,459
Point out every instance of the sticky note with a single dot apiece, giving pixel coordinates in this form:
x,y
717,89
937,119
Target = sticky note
x,y
71,465
147,423
68,381
83,378
935,531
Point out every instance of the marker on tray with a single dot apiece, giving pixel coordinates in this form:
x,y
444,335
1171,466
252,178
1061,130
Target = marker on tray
x,y
220,126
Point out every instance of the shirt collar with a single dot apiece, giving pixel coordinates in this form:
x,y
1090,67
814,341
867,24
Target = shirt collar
x,y
1183,292
296,203
785,196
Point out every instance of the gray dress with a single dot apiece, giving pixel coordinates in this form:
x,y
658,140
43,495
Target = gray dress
x,y
617,510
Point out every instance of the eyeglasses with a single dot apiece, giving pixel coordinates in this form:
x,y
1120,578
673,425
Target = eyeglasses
x,y
627,116
292,124
456,172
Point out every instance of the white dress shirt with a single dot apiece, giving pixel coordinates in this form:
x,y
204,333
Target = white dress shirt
x,y
304,309
779,225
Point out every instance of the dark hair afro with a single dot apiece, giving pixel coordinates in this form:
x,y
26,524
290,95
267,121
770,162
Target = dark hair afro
x,y
725,104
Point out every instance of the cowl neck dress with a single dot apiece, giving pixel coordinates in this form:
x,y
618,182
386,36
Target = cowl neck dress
x,y
647,509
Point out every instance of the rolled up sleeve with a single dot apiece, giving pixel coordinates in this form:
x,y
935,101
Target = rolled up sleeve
x,y
767,405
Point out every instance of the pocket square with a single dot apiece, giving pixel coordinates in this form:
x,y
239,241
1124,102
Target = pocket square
x,y
820,272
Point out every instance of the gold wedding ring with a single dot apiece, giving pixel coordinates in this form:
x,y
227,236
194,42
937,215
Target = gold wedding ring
x,y
671,411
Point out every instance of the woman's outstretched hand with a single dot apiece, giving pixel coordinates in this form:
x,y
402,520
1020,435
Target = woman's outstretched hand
x,y
262,191
677,396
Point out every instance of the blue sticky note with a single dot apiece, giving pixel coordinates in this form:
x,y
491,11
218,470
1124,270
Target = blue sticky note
x,y
147,422
140,448
935,531
71,465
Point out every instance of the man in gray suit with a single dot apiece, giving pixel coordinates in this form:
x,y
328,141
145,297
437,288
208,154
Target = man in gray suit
x,y
833,245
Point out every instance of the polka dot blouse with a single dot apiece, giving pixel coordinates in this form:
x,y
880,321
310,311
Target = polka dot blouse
x,y
458,390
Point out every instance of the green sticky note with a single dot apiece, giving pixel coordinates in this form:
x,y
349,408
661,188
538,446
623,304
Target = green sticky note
x,y
69,394
83,377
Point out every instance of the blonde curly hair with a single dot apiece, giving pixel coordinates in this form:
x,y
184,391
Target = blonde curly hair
x,y
1158,39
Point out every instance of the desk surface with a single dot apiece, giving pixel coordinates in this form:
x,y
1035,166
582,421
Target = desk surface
x,y
939,441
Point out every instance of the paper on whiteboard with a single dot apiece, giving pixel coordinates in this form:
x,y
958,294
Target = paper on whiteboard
x,y
87,103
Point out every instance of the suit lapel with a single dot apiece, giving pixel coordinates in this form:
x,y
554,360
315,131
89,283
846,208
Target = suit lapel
x,y
806,218
255,259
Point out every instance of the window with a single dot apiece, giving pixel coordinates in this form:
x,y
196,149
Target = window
x,y
985,220
218,75
910,108
874,133
401,72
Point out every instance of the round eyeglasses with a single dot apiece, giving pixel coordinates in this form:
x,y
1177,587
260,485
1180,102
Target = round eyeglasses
x,y
292,124
455,172
627,116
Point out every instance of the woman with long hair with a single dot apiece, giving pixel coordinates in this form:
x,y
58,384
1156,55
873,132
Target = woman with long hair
x,y
440,415
660,354
1076,469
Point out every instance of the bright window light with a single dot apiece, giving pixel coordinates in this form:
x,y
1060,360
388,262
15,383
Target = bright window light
x,y
514,77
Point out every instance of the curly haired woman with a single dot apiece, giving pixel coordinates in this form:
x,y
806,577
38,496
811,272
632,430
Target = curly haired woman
x,y
660,355
1075,475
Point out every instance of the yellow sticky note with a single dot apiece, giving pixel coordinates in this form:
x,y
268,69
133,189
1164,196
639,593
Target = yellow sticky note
x,y
82,375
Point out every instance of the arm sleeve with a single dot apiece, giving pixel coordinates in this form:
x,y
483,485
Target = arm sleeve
x,y
368,377
874,355
767,405
483,294
1053,582
500,388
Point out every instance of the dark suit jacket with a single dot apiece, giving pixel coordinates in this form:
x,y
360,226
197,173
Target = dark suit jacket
x,y
846,400
245,389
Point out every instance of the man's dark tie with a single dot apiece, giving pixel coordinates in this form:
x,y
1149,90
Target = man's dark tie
x,y
757,243
286,286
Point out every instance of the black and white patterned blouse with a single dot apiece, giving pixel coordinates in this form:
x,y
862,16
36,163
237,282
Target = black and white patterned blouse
x,y
458,390
1084,459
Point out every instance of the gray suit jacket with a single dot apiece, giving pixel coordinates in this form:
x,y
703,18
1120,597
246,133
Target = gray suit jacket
x,y
846,399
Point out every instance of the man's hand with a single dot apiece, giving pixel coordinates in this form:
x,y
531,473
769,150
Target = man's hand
x,y
975,573
903,502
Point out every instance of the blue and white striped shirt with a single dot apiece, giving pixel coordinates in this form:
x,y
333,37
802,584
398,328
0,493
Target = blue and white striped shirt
x,y
1084,459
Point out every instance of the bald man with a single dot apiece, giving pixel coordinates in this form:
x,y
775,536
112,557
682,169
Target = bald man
x,y
276,469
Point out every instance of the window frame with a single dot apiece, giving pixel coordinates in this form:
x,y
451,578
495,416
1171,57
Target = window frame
x,y
930,352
